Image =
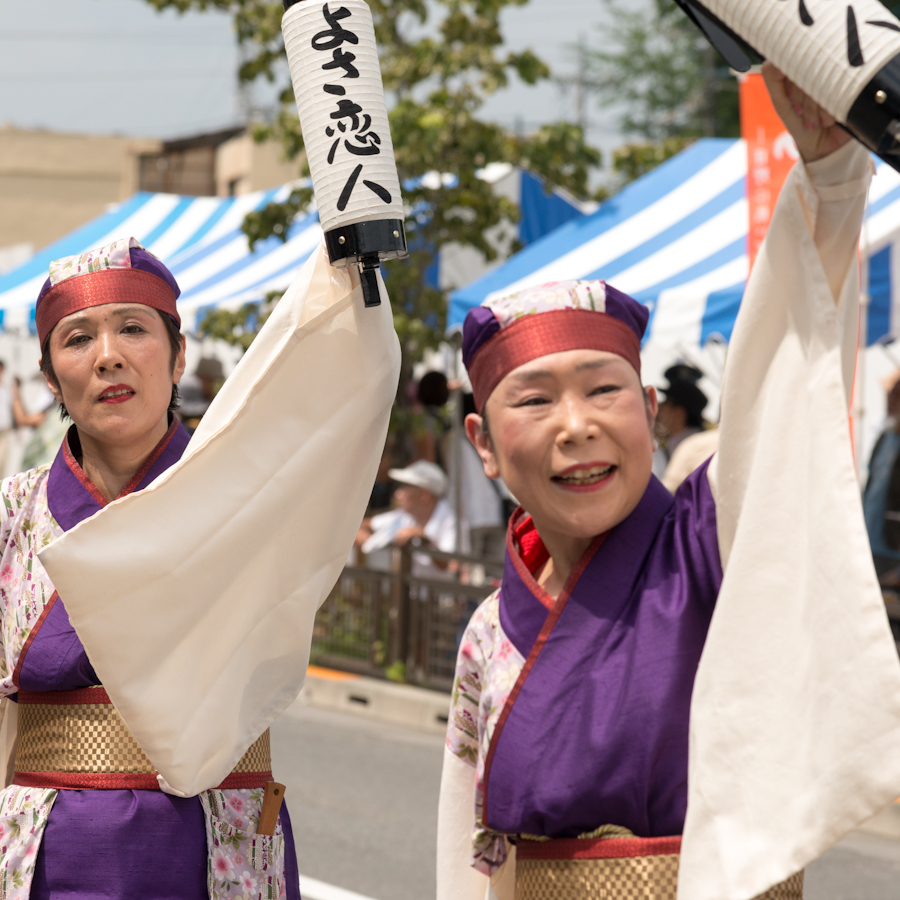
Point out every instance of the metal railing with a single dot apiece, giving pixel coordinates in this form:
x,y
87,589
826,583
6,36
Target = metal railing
x,y
398,625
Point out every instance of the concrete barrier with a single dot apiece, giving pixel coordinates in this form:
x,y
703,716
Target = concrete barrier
x,y
884,824
385,701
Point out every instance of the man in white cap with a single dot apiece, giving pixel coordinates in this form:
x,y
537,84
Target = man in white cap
x,y
422,515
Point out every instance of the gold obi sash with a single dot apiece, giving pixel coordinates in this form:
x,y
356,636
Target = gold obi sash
x,y
77,740
603,868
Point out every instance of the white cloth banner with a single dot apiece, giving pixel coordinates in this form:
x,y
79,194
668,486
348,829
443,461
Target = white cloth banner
x,y
795,717
195,598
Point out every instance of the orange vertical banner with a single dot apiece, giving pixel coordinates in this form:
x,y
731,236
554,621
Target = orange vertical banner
x,y
771,153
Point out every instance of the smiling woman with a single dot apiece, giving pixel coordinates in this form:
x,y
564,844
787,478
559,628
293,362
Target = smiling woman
x,y
99,823
582,419
575,704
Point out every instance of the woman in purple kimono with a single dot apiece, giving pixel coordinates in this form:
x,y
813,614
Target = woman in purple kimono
x,y
85,815
566,768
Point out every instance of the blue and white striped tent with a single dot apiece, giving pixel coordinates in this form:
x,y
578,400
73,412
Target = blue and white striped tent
x,y
201,241
199,238
676,239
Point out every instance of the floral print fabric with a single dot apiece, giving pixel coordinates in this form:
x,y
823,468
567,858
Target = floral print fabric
x,y
23,818
488,666
589,295
243,865
113,256
25,588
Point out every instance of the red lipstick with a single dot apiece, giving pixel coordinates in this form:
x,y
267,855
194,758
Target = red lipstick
x,y
118,393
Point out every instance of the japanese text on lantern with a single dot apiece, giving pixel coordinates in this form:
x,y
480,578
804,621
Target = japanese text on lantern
x,y
352,128
771,154
854,47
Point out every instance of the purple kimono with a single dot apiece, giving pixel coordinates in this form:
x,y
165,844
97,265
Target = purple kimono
x,y
589,725
111,843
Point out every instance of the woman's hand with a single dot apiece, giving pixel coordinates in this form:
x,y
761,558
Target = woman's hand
x,y
815,131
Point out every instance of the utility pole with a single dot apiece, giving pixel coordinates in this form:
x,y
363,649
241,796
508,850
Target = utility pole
x,y
709,90
583,85
244,92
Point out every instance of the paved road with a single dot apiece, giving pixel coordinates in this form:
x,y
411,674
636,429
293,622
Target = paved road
x,y
363,801
860,867
363,798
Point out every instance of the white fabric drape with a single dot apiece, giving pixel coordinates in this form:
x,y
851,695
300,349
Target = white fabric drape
x,y
795,717
195,598
456,879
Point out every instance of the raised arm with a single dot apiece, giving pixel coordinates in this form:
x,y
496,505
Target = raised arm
x,y
788,752
821,210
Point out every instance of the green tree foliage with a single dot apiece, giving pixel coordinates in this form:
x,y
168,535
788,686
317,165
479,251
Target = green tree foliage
x,y
440,61
668,83
239,326
633,160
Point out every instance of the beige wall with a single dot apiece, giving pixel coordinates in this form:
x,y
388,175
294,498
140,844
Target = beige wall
x,y
242,166
53,183
234,164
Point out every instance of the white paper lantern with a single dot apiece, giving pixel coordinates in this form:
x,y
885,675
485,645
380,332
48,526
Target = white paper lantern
x,y
340,99
845,55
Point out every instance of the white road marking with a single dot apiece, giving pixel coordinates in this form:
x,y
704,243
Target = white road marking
x,y
311,889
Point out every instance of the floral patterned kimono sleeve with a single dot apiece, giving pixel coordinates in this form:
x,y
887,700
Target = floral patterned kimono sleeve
x,y
26,526
241,863
487,668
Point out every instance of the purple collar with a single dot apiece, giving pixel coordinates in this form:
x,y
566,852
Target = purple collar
x,y
73,497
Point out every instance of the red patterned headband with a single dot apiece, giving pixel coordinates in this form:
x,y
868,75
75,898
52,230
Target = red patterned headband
x,y
553,331
99,288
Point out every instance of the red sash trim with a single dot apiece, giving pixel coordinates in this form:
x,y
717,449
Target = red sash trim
x,y
108,781
598,848
119,781
141,473
77,697
549,624
245,781
31,636
136,479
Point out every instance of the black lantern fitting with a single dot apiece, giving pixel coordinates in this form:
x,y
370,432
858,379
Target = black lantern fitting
x,y
367,245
